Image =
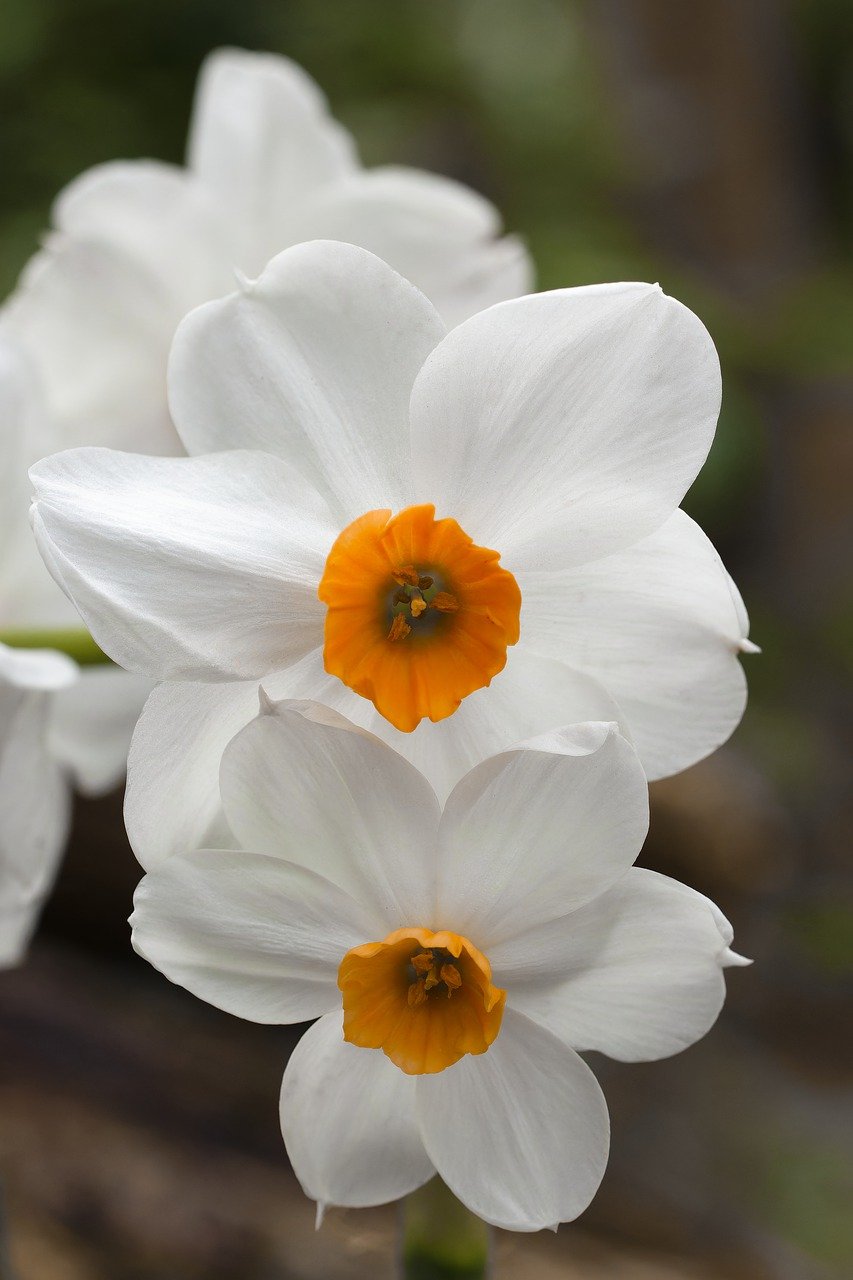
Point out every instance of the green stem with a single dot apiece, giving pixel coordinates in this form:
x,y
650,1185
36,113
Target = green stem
x,y
441,1239
77,643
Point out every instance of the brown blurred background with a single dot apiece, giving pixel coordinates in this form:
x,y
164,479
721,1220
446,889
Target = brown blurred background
x,y
706,145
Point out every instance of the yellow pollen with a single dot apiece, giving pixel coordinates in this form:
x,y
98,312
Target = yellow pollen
x,y
426,999
418,616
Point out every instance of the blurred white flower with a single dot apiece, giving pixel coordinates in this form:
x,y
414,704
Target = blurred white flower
x,y
89,720
457,961
138,244
34,793
561,430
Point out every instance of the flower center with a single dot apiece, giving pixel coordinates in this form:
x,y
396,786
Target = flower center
x,y
426,999
418,616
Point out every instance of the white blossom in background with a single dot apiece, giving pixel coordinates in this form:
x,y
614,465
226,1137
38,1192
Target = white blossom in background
x,y
34,791
137,244
457,961
89,720
561,430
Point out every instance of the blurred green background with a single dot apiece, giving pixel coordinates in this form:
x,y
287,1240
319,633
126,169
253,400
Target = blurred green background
x,y
705,145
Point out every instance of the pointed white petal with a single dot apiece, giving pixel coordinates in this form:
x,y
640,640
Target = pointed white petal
x,y
437,233
535,832
185,567
302,783
314,362
92,723
348,1120
636,974
560,427
660,625
256,936
520,1133
261,141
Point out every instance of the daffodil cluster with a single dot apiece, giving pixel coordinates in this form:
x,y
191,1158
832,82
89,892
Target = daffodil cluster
x,y
84,341
430,523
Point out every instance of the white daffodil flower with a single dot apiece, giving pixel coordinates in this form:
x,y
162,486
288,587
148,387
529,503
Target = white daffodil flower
x,y
90,719
137,244
349,552
34,792
457,961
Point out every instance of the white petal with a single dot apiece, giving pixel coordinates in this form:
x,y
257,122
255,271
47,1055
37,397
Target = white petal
x,y
172,801
314,362
302,783
348,1120
520,1134
636,974
173,798
92,723
21,408
535,832
161,218
261,140
185,567
40,670
436,232
29,599
98,327
256,936
659,626
530,696
34,797
560,427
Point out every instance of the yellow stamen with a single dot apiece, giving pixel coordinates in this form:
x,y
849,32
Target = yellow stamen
x,y
416,994
399,628
418,606
422,1023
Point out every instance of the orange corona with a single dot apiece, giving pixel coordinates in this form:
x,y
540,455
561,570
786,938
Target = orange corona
x,y
426,999
418,616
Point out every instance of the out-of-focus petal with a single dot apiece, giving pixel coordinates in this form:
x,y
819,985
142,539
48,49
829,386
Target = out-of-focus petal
x,y
439,234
